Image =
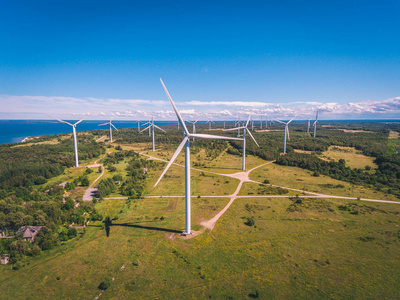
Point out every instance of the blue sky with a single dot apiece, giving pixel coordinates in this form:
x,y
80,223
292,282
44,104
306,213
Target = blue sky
x,y
217,58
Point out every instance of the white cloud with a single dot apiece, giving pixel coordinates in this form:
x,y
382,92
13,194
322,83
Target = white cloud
x,y
64,107
226,103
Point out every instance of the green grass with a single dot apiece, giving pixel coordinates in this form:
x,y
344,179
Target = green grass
x,y
297,178
314,251
310,249
253,189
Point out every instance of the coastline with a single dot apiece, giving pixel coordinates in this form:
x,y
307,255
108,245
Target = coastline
x,y
29,138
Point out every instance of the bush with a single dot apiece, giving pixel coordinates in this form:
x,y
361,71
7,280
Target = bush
x,y
266,181
250,222
88,171
18,265
105,284
85,181
40,180
72,232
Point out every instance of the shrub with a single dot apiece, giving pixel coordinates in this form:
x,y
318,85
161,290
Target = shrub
x,y
105,284
18,265
88,171
266,181
40,180
250,222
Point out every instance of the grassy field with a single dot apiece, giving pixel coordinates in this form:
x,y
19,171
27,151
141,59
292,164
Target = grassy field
x,y
353,157
316,249
306,248
302,179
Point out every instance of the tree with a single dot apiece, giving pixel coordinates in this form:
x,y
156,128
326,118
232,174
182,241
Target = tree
x,y
69,203
85,181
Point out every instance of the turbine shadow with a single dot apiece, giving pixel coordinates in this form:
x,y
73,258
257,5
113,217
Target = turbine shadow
x,y
147,227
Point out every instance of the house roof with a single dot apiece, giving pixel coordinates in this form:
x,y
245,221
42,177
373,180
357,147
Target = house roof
x,y
29,231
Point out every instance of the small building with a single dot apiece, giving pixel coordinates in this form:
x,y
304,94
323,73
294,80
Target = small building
x,y
117,182
29,232
5,258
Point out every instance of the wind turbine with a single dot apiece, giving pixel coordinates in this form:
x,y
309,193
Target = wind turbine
x,y
74,134
209,123
185,143
286,133
244,140
138,125
260,122
194,126
151,127
111,124
315,124
308,125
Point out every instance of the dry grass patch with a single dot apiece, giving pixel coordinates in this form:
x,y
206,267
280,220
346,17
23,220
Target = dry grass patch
x,y
353,157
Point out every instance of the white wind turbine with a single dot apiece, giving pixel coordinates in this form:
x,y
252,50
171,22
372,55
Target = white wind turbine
x,y
194,126
185,143
315,124
308,125
111,124
286,133
74,134
209,123
244,140
151,127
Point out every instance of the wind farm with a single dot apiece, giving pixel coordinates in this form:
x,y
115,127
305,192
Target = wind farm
x,y
269,168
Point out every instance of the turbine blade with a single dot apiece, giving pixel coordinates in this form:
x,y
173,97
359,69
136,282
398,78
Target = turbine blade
x,y
114,127
61,121
175,109
145,128
248,131
279,121
248,120
159,128
236,128
81,120
178,150
291,119
210,136
103,124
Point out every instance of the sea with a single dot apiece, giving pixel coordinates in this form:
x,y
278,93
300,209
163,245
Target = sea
x,y
15,131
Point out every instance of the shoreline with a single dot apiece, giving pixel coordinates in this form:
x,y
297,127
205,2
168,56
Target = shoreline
x,y
29,138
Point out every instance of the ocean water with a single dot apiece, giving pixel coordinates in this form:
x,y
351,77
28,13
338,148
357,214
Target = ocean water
x,y
14,131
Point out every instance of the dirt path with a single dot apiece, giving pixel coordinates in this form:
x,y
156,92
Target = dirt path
x,y
91,191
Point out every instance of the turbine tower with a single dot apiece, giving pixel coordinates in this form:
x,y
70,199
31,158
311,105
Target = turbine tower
x,y
74,134
308,125
111,124
151,127
244,141
185,143
315,124
286,133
